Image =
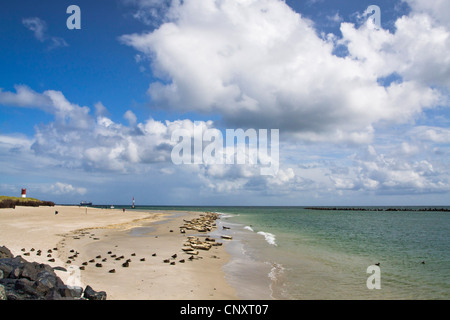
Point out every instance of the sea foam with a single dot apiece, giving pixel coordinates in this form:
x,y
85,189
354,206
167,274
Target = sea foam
x,y
275,275
270,238
249,228
276,270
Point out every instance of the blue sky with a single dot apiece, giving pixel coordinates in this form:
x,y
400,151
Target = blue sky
x,y
363,114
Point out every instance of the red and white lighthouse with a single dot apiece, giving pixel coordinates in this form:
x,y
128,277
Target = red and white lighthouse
x,y
24,193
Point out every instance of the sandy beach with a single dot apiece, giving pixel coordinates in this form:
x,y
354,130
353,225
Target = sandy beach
x,y
104,248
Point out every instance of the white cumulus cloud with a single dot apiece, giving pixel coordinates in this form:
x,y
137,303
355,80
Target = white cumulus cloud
x,y
260,64
60,188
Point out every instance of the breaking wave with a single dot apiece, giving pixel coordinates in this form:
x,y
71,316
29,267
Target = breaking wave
x,y
270,238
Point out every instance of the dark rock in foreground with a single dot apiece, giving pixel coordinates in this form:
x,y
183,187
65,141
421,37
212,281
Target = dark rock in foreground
x,y
5,253
23,280
91,294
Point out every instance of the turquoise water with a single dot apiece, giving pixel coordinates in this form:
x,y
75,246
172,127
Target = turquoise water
x,y
298,253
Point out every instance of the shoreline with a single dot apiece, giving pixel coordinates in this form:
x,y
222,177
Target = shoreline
x,y
92,239
249,275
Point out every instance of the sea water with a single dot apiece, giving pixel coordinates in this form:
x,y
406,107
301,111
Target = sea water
x,y
325,254
299,253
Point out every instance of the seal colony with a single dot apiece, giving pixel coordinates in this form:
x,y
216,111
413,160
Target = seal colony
x,y
205,223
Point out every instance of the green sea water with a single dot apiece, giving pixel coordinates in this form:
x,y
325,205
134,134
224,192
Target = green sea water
x,y
298,253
